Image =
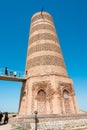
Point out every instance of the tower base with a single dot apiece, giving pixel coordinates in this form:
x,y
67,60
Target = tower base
x,y
48,94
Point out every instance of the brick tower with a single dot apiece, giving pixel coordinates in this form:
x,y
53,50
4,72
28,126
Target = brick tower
x,y
47,88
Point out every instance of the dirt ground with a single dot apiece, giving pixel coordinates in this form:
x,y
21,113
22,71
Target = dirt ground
x,y
5,127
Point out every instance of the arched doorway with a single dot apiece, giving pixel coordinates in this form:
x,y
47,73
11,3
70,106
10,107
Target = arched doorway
x,y
41,102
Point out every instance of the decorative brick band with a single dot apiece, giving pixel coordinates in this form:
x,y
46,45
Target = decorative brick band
x,y
42,53
43,36
49,70
41,21
43,16
42,42
41,31
42,26
44,47
45,60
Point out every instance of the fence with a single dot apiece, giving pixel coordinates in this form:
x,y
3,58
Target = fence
x,y
12,73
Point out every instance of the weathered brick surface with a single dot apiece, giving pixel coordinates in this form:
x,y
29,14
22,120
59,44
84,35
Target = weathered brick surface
x,y
46,70
43,36
42,26
45,60
44,47
43,16
42,42
39,53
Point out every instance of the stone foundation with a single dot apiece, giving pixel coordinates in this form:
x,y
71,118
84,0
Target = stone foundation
x,y
52,122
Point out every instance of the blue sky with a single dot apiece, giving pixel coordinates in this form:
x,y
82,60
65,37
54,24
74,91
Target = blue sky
x,y
70,19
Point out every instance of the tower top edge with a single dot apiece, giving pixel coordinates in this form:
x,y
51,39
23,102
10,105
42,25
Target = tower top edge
x,y
39,13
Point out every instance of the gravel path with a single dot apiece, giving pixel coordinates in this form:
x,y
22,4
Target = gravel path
x,y
5,127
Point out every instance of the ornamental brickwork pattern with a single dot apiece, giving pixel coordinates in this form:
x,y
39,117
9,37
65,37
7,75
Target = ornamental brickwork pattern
x,y
43,36
44,47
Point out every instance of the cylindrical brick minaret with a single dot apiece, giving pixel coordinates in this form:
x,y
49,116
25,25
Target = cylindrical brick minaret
x,y
47,88
44,52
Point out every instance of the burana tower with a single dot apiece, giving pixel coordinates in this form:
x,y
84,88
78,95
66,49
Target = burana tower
x,y
47,88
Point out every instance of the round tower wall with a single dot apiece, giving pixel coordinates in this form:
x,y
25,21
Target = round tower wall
x,y
44,52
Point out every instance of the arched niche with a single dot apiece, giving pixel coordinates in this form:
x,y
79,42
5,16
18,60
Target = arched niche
x,y
65,94
41,95
66,101
41,102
